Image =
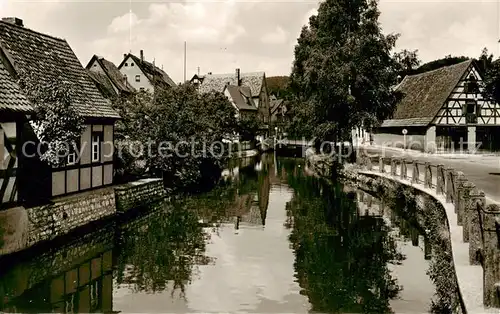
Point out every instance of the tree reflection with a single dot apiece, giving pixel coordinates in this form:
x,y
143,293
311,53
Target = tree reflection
x,y
164,248
341,259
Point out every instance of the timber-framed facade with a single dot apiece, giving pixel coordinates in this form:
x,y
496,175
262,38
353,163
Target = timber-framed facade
x,y
91,165
444,109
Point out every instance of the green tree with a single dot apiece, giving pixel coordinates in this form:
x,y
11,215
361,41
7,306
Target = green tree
x,y
344,69
180,131
248,127
56,121
439,63
407,60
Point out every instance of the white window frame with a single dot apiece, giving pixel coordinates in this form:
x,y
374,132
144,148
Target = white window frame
x,y
96,148
71,158
138,78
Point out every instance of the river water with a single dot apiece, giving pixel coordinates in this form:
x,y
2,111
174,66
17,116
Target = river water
x,y
269,239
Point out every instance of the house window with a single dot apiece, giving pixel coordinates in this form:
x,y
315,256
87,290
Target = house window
x,y
141,89
471,86
138,78
126,64
96,147
71,158
95,64
131,64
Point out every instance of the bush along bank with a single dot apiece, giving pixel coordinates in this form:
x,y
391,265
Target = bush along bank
x,y
430,218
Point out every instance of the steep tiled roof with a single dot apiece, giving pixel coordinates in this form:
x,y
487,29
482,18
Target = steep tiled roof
x,y
275,104
240,97
217,82
103,83
114,75
49,58
154,73
424,94
407,122
11,97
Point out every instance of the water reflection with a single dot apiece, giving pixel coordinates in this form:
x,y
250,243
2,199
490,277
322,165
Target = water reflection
x,y
269,238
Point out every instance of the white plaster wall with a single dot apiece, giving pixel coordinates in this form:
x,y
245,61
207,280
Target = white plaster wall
x,y
430,139
131,71
417,141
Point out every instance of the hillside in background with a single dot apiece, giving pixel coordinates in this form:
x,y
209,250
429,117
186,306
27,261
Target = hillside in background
x,y
278,86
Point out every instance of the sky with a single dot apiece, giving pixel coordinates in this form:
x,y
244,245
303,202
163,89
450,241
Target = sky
x,y
251,35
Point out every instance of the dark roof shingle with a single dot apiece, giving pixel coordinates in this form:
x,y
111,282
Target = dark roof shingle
x,y
11,97
424,94
103,83
49,58
217,82
240,96
110,69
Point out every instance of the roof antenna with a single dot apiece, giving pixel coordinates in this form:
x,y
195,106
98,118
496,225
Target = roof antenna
x,y
130,25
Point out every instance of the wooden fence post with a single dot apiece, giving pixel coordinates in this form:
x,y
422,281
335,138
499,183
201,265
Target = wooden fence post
x,y
478,204
491,256
440,179
427,175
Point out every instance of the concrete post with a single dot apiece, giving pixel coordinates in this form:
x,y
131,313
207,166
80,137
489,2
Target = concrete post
x,y
491,256
394,165
415,173
470,198
427,175
450,188
404,169
478,204
427,247
381,164
440,179
463,195
369,165
471,139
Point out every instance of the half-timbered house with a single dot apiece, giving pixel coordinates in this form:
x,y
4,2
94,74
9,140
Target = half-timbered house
x,y
47,58
443,109
13,109
108,79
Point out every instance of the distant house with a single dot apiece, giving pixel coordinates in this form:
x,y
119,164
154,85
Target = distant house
x,y
49,58
442,108
278,109
14,107
241,99
108,79
143,75
197,79
256,81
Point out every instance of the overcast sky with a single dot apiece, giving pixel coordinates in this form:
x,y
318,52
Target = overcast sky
x,y
252,35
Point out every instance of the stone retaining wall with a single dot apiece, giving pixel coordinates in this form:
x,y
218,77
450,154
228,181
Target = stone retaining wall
x,y
138,193
25,227
480,222
65,214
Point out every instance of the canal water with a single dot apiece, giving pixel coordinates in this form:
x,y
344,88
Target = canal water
x,y
269,239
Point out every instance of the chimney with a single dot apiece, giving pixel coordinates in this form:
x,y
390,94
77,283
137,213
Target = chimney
x,y
237,77
13,20
142,55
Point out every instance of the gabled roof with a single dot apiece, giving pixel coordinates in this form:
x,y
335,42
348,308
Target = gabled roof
x,y
153,73
112,72
241,97
103,83
49,58
11,96
275,104
217,82
424,94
